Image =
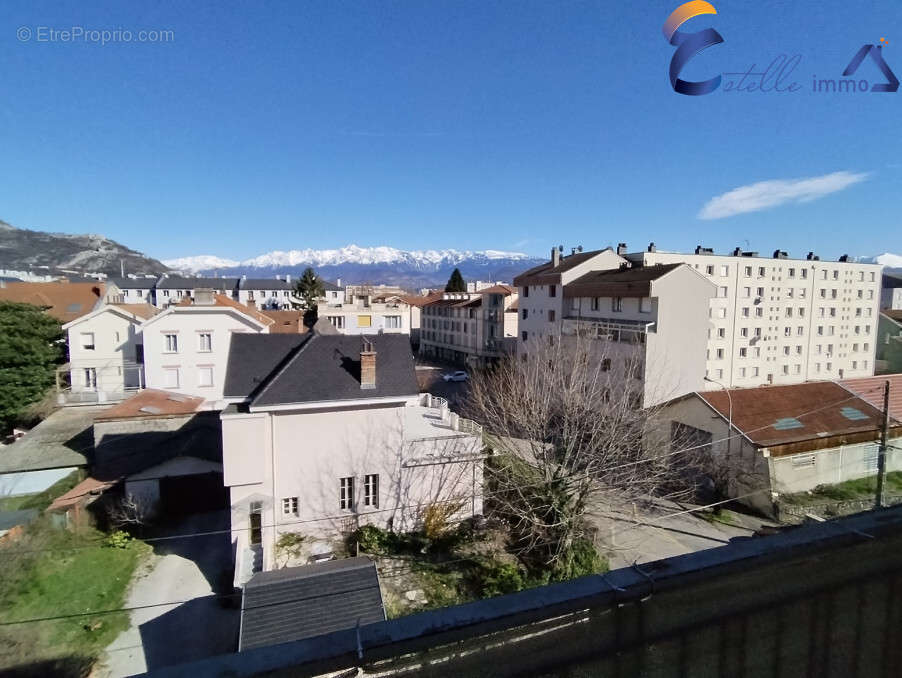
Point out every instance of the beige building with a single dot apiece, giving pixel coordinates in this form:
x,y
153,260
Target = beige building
x,y
766,320
770,441
471,327
365,313
326,433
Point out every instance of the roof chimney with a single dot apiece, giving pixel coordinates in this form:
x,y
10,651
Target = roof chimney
x,y
555,257
737,252
621,248
367,365
338,282
651,247
813,257
204,297
780,254
844,258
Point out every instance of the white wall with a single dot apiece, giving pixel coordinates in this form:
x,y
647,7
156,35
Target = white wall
x,y
113,358
187,322
354,318
304,455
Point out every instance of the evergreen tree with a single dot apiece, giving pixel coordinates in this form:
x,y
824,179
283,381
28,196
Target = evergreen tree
x,y
30,350
456,282
309,289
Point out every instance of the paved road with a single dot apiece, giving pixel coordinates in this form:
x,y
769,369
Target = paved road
x,y
642,535
180,570
429,378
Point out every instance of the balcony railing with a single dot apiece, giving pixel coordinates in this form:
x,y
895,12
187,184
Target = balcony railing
x,y
608,329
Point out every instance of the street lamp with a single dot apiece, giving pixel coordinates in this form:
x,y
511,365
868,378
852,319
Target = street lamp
x,y
730,417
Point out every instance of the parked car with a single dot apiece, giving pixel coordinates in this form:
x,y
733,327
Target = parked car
x,y
460,375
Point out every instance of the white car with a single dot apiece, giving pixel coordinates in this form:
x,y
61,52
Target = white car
x,y
460,375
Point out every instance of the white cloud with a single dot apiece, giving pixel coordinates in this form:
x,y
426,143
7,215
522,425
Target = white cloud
x,y
767,194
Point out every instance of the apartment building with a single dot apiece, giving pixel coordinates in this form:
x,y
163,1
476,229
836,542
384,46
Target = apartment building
x,y
778,320
364,313
646,324
325,433
171,289
186,346
891,294
132,290
470,327
267,293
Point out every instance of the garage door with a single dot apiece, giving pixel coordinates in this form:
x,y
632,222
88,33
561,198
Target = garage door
x,y
193,494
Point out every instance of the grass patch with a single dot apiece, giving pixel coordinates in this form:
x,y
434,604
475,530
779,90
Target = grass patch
x,y
41,500
850,490
16,503
718,515
62,582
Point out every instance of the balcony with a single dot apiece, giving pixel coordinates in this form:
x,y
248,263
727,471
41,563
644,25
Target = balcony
x,y
608,329
433,419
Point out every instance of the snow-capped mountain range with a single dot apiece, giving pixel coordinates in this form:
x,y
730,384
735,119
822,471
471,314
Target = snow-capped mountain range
x,y
367,264
886,259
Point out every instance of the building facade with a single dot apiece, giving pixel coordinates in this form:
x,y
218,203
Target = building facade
x,y
327,433
264,293
470,327
172,289
368,314
186,346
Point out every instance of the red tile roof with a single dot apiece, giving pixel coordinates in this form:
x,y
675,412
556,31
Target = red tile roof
x,y
779,415
66,301
144,311
286,322
152,403
498,289
871,389
87,486
223,300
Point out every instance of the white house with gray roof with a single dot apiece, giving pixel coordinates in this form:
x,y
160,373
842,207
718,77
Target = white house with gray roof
x,y
325,433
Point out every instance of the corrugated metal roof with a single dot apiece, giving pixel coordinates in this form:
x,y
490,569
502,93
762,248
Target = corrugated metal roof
x,y
778,415
294,603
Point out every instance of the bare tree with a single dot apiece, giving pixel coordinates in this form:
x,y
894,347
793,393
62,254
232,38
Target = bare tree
x,y
567,428
128,510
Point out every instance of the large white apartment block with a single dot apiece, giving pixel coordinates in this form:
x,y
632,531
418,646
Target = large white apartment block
x,y
131,290
648,324
106,353
473,327
186,347
777,320
173,289
891,295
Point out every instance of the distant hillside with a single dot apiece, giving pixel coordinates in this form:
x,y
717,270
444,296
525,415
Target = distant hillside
x,y
353,264
24,250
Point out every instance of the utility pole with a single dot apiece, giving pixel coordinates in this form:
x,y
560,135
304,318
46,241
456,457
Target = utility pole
x,y
881,458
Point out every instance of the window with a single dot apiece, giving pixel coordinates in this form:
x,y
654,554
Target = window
x,y
525,290
171,343
759,312
722,313
721,332
337,321
745,311
204,342
371,490
748,272
364,321
759,292
525,335
761,272
744,332
789,311
722,292
90,378
758,332
746,292
800,330
346,494
743,352
792,273
551,315
393,322
290,506
605,364
205,376
804,273
525,313
171,377
786,350
800,461
720,354
742,372
552,290
594,303
645,305
87,341
617,304
755,371
116,337
709,270
724,271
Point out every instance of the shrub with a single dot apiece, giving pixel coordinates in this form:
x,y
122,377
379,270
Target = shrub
x,y
119,539
436,518
579,560
498,579
375,540
289,545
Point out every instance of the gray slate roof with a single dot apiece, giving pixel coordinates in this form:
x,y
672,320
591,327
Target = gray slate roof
x,y
134,283
328,368
253,357
330,287
264,284
64,439
175,282
294,603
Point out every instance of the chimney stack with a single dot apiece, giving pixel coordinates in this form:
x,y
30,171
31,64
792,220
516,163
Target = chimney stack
x,y
621,248
367,365
651,247
555,257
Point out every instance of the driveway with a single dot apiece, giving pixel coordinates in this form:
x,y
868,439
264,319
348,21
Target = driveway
x,y
187,569
642,534
429,378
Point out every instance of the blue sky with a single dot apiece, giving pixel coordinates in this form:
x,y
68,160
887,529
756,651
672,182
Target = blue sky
x,y
467,124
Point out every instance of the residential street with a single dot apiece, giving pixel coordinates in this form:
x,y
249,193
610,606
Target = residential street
x,y
180,570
